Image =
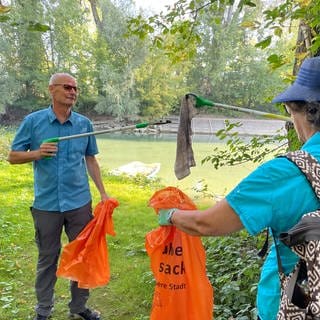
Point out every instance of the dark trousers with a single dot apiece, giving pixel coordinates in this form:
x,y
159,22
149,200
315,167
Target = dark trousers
x,y
48,230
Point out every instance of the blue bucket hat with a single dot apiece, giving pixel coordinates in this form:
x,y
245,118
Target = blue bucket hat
x,y
307,84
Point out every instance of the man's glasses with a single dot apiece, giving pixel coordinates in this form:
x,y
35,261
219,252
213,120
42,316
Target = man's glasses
x,y
67,87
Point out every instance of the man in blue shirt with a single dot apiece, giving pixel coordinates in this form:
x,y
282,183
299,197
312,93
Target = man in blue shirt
x,y
62,197
275,195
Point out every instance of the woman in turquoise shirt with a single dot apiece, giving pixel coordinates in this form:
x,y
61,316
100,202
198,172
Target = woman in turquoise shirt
x,y
275,195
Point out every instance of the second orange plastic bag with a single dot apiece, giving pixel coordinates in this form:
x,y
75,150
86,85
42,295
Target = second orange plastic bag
x,y
85,259
178,262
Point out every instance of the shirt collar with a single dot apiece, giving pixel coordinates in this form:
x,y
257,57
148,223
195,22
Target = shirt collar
x,y
313,140
52,116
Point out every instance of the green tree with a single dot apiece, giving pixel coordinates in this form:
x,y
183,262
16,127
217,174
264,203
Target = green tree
x,y
277,20
115,71
23,56
227,67
159,84
70,47
231,73
30,57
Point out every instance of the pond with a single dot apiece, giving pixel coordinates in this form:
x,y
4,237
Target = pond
x,y
121,149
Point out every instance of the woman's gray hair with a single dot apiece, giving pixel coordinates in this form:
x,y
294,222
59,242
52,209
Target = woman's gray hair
x,y
311,109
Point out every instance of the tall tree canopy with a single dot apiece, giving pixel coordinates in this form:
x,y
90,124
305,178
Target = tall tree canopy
x,y
128,63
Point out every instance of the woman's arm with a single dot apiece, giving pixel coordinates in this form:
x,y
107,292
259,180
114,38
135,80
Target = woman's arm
x,y
217,220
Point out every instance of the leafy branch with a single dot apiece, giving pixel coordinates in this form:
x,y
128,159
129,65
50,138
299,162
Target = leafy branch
x,y
237,151
29,25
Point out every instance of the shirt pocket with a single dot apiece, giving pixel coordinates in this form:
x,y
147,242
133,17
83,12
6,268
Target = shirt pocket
x,y
78,148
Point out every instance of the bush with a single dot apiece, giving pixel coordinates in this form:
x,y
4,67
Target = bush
x,y
233,269
5,142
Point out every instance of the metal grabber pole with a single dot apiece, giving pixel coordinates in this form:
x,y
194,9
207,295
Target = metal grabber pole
x,y
86,134
200,102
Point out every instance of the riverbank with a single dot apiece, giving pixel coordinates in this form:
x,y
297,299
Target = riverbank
x,y
207,126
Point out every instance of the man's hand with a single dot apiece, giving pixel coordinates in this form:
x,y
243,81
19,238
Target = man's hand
x,y
48,150
165,215
104,197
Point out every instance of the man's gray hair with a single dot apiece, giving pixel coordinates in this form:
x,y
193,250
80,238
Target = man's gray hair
x,y
55,76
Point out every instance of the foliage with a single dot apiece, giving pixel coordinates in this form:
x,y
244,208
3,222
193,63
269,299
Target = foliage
x,y
238,151
117,99
233,268
5,142
30,58
227,65
7,88
278,17
159,84
184,20
23,55
199,46
293,141
116,70
31,25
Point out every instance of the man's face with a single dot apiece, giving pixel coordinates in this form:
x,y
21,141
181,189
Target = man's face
x,y
64,91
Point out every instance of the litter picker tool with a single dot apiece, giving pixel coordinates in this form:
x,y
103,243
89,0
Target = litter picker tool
x,y
190,102
200,102
87,134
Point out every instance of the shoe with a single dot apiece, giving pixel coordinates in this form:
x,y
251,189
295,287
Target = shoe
x,y
86,315
40,317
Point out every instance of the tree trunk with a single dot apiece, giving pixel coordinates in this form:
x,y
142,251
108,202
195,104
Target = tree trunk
x,y
303,45
96,17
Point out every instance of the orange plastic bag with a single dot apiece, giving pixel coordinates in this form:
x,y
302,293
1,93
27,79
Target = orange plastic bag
x,y
85,259
178,263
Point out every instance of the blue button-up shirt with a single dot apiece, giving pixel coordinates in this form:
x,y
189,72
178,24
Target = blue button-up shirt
x,y
61,182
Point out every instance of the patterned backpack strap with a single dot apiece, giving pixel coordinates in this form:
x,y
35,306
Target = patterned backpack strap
x,y
311,169
303,239
309,166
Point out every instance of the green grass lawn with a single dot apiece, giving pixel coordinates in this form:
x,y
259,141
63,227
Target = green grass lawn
x,y
128,295
129,292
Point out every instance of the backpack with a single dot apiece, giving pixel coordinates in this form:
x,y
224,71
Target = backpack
x,y
300,290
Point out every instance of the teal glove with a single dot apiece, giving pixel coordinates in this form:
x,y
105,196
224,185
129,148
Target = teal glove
x,y
164,216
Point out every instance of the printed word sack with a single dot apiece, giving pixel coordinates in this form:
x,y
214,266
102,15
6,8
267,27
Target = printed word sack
x,y
178,262
300,290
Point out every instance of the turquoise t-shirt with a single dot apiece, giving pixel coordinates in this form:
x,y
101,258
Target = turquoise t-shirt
x,y
61,182
274,195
